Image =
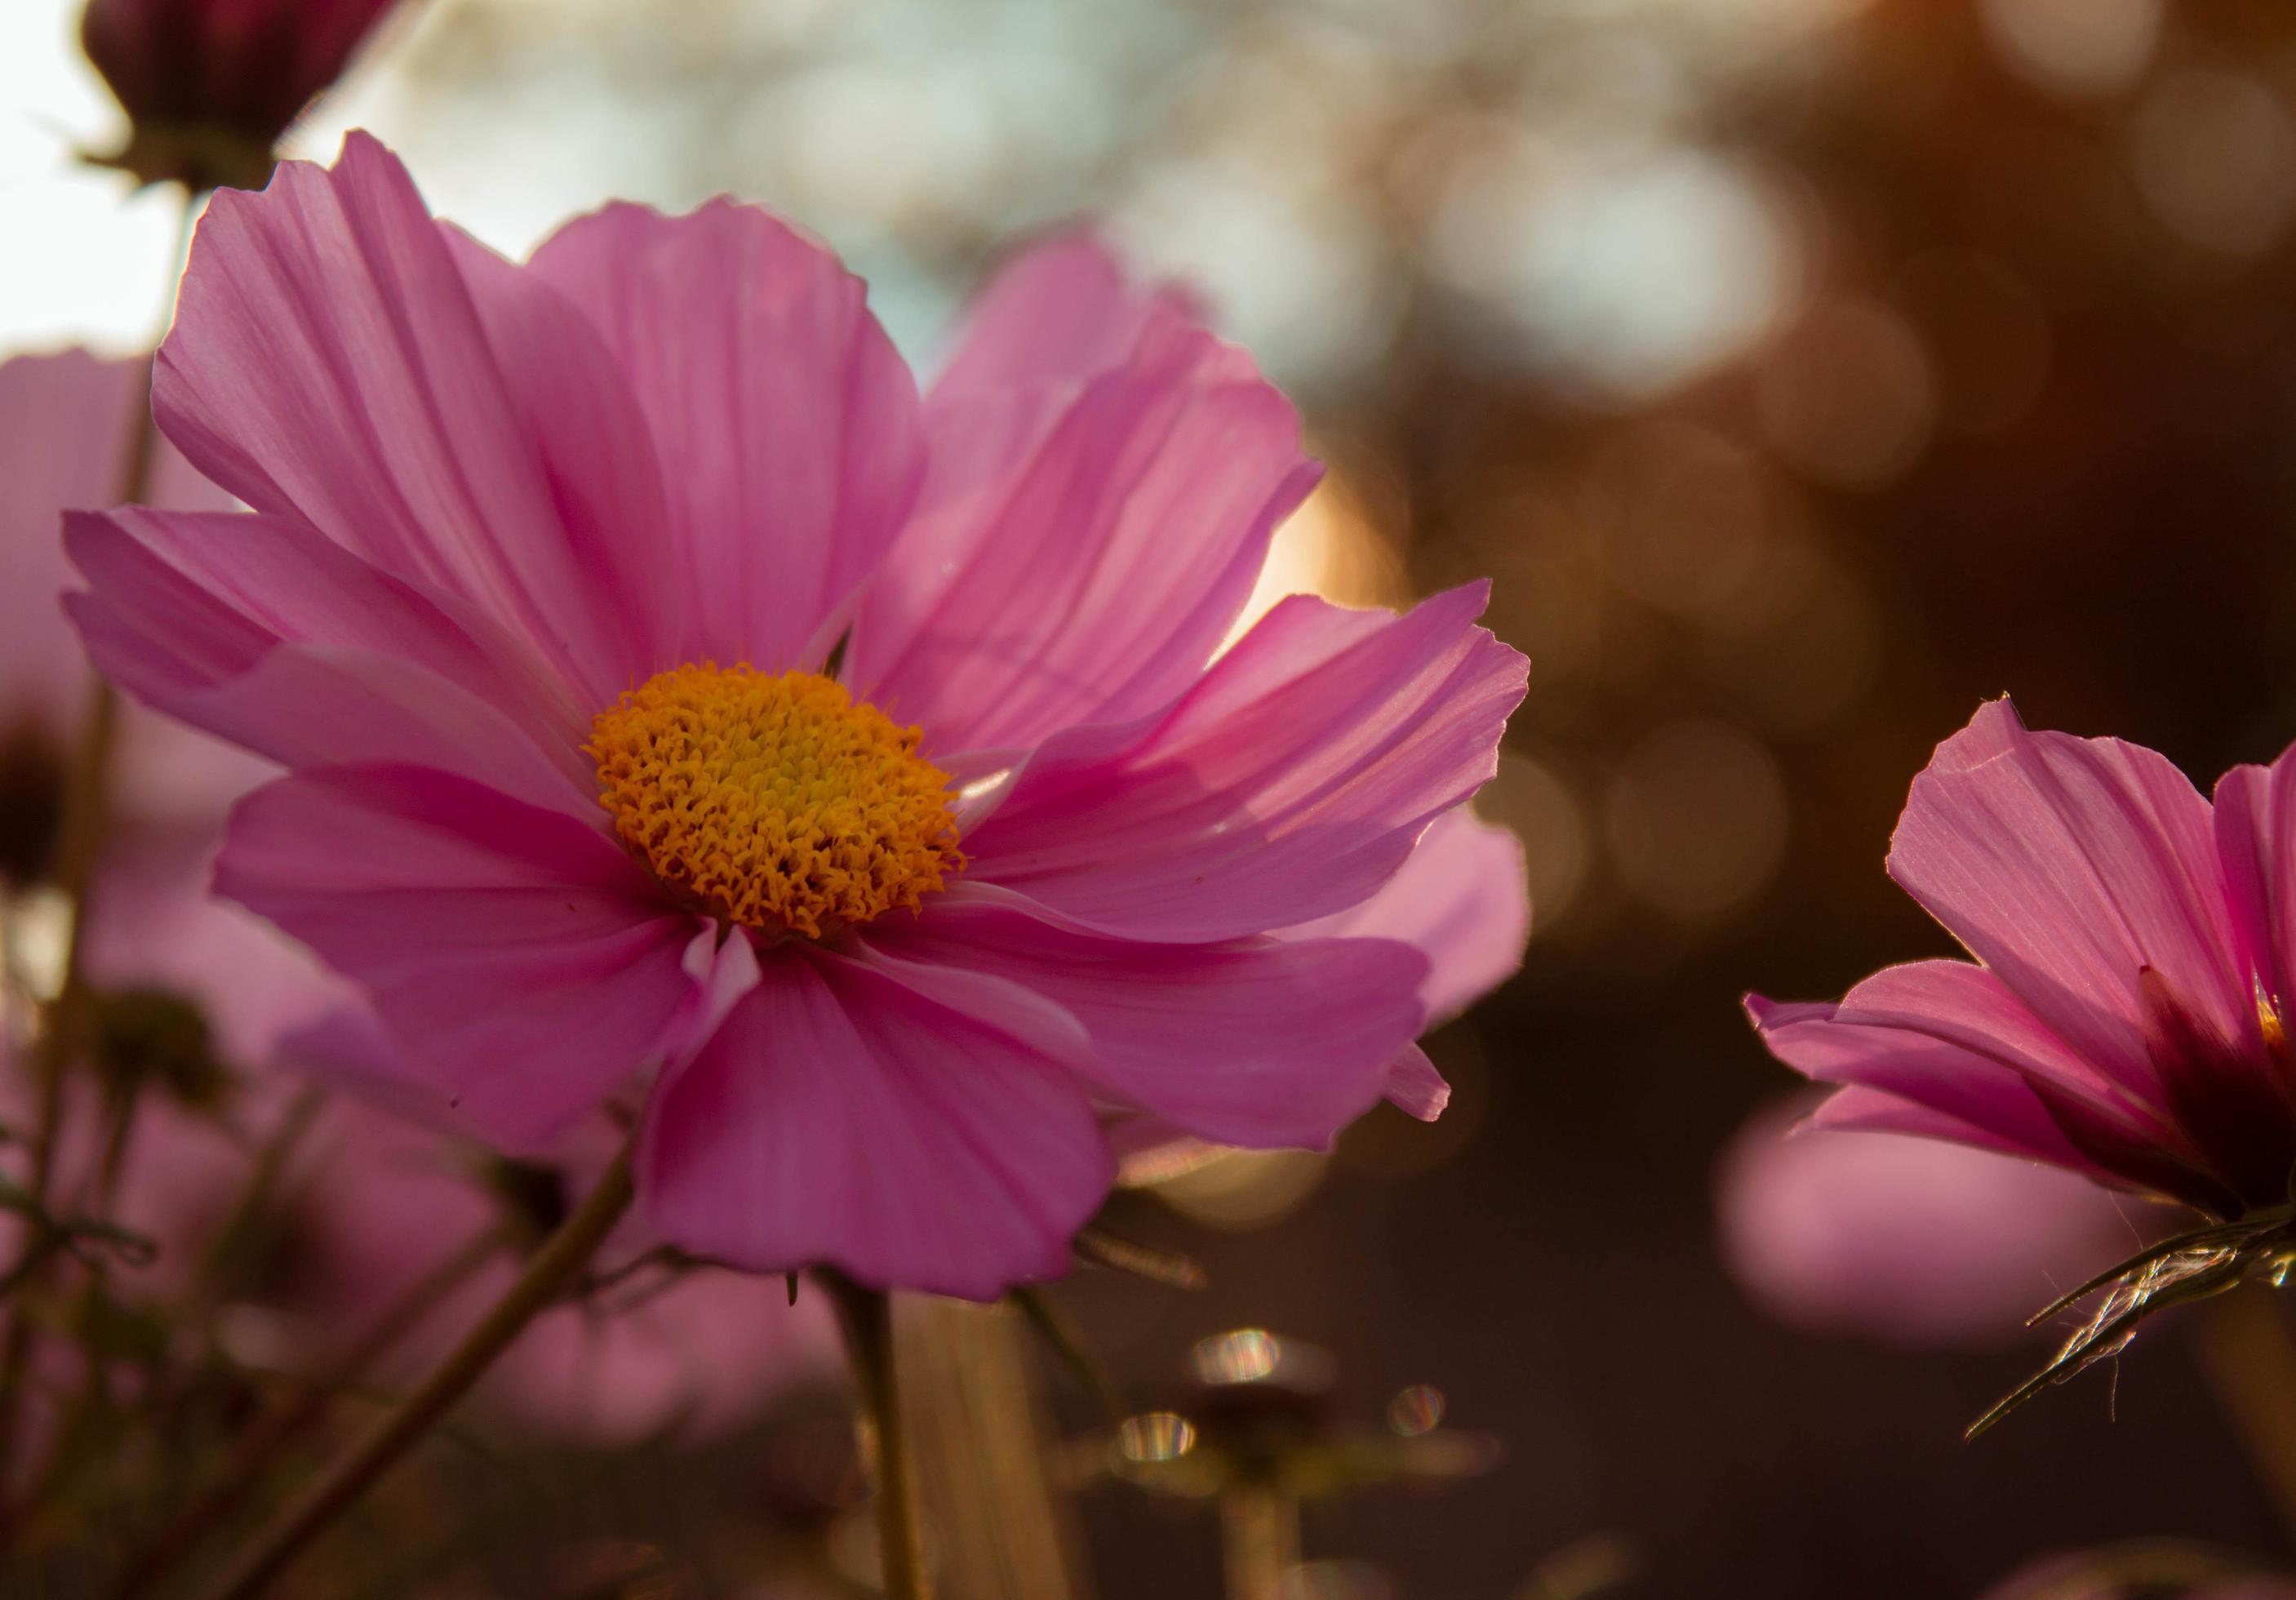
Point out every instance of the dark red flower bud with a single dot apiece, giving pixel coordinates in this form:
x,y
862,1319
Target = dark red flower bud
x,y
210,85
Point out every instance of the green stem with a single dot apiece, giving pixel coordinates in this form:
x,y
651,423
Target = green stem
x,y
547,1274
237,1249
866,1316
262,1447
1259,1540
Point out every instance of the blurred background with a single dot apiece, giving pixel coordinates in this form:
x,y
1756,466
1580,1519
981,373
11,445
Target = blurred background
x,y
1804,371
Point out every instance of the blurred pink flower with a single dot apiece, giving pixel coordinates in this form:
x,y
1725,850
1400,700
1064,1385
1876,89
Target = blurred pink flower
x,y
2128,1020
385,1197
510,521
372,1207
1909,1240
68,422
697,1351
189,71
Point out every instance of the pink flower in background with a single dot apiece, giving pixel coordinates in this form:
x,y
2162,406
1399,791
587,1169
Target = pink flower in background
x,y
373,1206
2125,1019
68,422
244,68
385,1192
662,678
1909,1240
382,1202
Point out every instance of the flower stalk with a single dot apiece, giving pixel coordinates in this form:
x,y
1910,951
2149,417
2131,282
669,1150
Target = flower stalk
x,y
547,1274
64,1025
1260,1539
866,1316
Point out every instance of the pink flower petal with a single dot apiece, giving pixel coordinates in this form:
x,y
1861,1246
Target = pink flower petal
x,y
1949,1037
693,1359
1970,1006
332,361
261,631
2069,867
2255,822
1289,784
1414,1087
1908,1239
1857,1109
1057,315
786,421
1054,314
1266,1043
1462,898
531,959
349,1051
1079,555
839,1116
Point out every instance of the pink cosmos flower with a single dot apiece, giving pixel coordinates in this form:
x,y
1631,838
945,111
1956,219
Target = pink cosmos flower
x,y
191,69
662,679
2124,1017
1908,1239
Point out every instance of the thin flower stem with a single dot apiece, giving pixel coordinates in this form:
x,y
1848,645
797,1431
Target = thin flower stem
x,y
2251,1361
59,1034
1259,1540
249,1231
866,1316
86,815
262,1446
548,1272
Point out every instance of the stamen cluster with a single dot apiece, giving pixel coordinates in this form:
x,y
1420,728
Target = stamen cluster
x,y
775,800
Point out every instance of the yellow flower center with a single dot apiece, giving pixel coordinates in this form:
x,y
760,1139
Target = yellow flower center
x,y
774,801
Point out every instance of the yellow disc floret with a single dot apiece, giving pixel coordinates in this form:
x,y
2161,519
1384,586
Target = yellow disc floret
x,y
775,800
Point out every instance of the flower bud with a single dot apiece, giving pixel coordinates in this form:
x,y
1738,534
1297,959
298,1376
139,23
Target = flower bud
x,y
210,85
